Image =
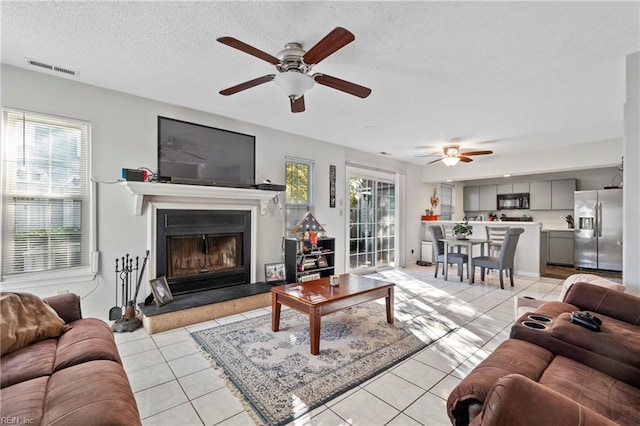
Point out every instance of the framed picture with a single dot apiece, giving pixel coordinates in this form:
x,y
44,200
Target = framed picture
x,y
160,290
275,273
322,261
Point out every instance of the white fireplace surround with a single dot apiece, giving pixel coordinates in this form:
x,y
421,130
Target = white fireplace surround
x,y
159,196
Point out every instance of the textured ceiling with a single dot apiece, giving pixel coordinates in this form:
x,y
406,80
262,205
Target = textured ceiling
x,y
525,75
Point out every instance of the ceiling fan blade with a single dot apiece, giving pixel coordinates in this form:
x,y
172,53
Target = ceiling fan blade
x,y
476,153
297,105
332,42
342,85
465,159
434,161
244,47
247,85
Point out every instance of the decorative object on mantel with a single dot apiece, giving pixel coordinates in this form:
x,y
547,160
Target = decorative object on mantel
x,y
462,230
308,227
429,215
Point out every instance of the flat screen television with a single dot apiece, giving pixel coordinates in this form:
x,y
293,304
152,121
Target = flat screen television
x,y
201,155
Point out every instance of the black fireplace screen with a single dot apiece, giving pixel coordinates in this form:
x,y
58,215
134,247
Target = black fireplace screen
x,y
202,254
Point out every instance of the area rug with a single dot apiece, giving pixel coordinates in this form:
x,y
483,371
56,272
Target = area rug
x,y
279,378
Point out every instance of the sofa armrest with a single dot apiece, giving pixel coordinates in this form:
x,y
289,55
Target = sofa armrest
x,y
517,399
66,305
612,303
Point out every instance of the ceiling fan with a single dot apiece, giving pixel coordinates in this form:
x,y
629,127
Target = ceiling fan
x,y
452,155
294,64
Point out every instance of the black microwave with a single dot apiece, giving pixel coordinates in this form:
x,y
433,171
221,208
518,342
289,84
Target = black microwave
x,y
513,201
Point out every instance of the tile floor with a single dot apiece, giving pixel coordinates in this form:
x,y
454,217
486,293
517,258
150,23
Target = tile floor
x,y
175,385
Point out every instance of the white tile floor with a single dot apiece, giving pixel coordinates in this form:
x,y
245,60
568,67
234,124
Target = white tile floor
x,y
175,385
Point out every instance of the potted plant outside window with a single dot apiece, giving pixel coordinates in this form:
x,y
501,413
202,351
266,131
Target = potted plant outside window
x,y
462,230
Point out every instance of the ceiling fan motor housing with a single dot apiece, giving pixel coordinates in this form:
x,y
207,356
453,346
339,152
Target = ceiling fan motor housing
x,y
291,59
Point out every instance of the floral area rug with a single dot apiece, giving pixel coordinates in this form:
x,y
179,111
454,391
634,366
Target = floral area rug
x,y
280,379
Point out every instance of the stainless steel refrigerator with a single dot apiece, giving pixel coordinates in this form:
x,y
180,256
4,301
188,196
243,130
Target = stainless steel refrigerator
x,y
598,229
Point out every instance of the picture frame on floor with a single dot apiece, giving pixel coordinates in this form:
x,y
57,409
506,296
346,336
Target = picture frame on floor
x,y
275,273
160,290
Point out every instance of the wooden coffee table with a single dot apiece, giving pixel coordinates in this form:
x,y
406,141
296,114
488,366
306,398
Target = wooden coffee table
x,y
317,298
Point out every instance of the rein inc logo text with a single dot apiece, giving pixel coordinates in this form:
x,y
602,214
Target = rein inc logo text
x,y
16,420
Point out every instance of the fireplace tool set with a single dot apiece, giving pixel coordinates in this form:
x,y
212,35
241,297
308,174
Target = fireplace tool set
x,y
125,269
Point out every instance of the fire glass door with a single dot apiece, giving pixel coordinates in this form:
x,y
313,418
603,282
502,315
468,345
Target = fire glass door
x,y
372,220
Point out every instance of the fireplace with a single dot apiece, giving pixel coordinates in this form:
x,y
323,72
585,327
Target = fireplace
x,y
199,250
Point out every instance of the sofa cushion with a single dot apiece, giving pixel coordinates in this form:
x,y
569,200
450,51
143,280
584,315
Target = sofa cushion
x,y
511,356
90,339
26,318
24,401
591,279
66,305
603,394
616,340
514,399
94,392
36,360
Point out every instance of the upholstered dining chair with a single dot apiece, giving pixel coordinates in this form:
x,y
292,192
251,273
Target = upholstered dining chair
x,y
438,253
504,260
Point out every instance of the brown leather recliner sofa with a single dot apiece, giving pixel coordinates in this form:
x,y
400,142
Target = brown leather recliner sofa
x,y
552,371
76,378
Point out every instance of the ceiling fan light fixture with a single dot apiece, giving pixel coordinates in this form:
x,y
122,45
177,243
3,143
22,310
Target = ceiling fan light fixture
x,y
450,161
294,83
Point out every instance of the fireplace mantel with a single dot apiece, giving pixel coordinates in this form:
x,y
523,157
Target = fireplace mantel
x,y
142,191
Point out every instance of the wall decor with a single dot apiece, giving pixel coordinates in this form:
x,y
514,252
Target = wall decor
x,y
332,186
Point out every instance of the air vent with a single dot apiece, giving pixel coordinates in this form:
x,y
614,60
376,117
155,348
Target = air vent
x,y
50,67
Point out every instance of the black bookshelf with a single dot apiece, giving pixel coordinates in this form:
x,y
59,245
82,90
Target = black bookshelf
x,y
302,259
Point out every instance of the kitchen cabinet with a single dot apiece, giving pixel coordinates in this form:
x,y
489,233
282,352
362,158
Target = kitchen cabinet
x,y
488,194
562,192
471,195
540,195
513,188
505,188
560,248
480,198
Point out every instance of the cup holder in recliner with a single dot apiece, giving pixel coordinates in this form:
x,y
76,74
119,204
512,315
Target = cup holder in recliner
x,y
536,325
539,318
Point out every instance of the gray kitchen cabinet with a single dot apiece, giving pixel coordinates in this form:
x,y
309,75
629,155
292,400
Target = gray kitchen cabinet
x,y
521,188
562,194
513,188
471,195
540,195
505,188
560,248
488,197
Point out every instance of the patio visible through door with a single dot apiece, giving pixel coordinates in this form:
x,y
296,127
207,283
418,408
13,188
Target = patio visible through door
x,y
372,219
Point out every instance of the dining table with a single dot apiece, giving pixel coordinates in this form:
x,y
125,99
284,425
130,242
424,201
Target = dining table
x,y
463,242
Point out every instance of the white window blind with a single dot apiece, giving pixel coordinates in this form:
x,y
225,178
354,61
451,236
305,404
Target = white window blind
x,y
299,194
45,193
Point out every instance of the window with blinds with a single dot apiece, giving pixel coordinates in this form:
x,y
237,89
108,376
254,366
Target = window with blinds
x,y
45,193
446,202
298,179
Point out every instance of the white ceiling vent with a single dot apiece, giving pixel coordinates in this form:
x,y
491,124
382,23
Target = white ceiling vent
x,y
40,64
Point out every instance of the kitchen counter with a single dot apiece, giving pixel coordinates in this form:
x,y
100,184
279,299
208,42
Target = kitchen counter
x,y
530,259
556,229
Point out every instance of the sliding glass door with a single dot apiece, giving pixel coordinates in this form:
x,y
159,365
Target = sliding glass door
x,y
372,222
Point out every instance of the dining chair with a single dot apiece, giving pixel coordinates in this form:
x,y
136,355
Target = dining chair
x,y
495,236
502,262
438,253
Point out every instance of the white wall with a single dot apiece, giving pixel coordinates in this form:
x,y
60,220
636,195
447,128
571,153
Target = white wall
x,y
124,135
631,191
